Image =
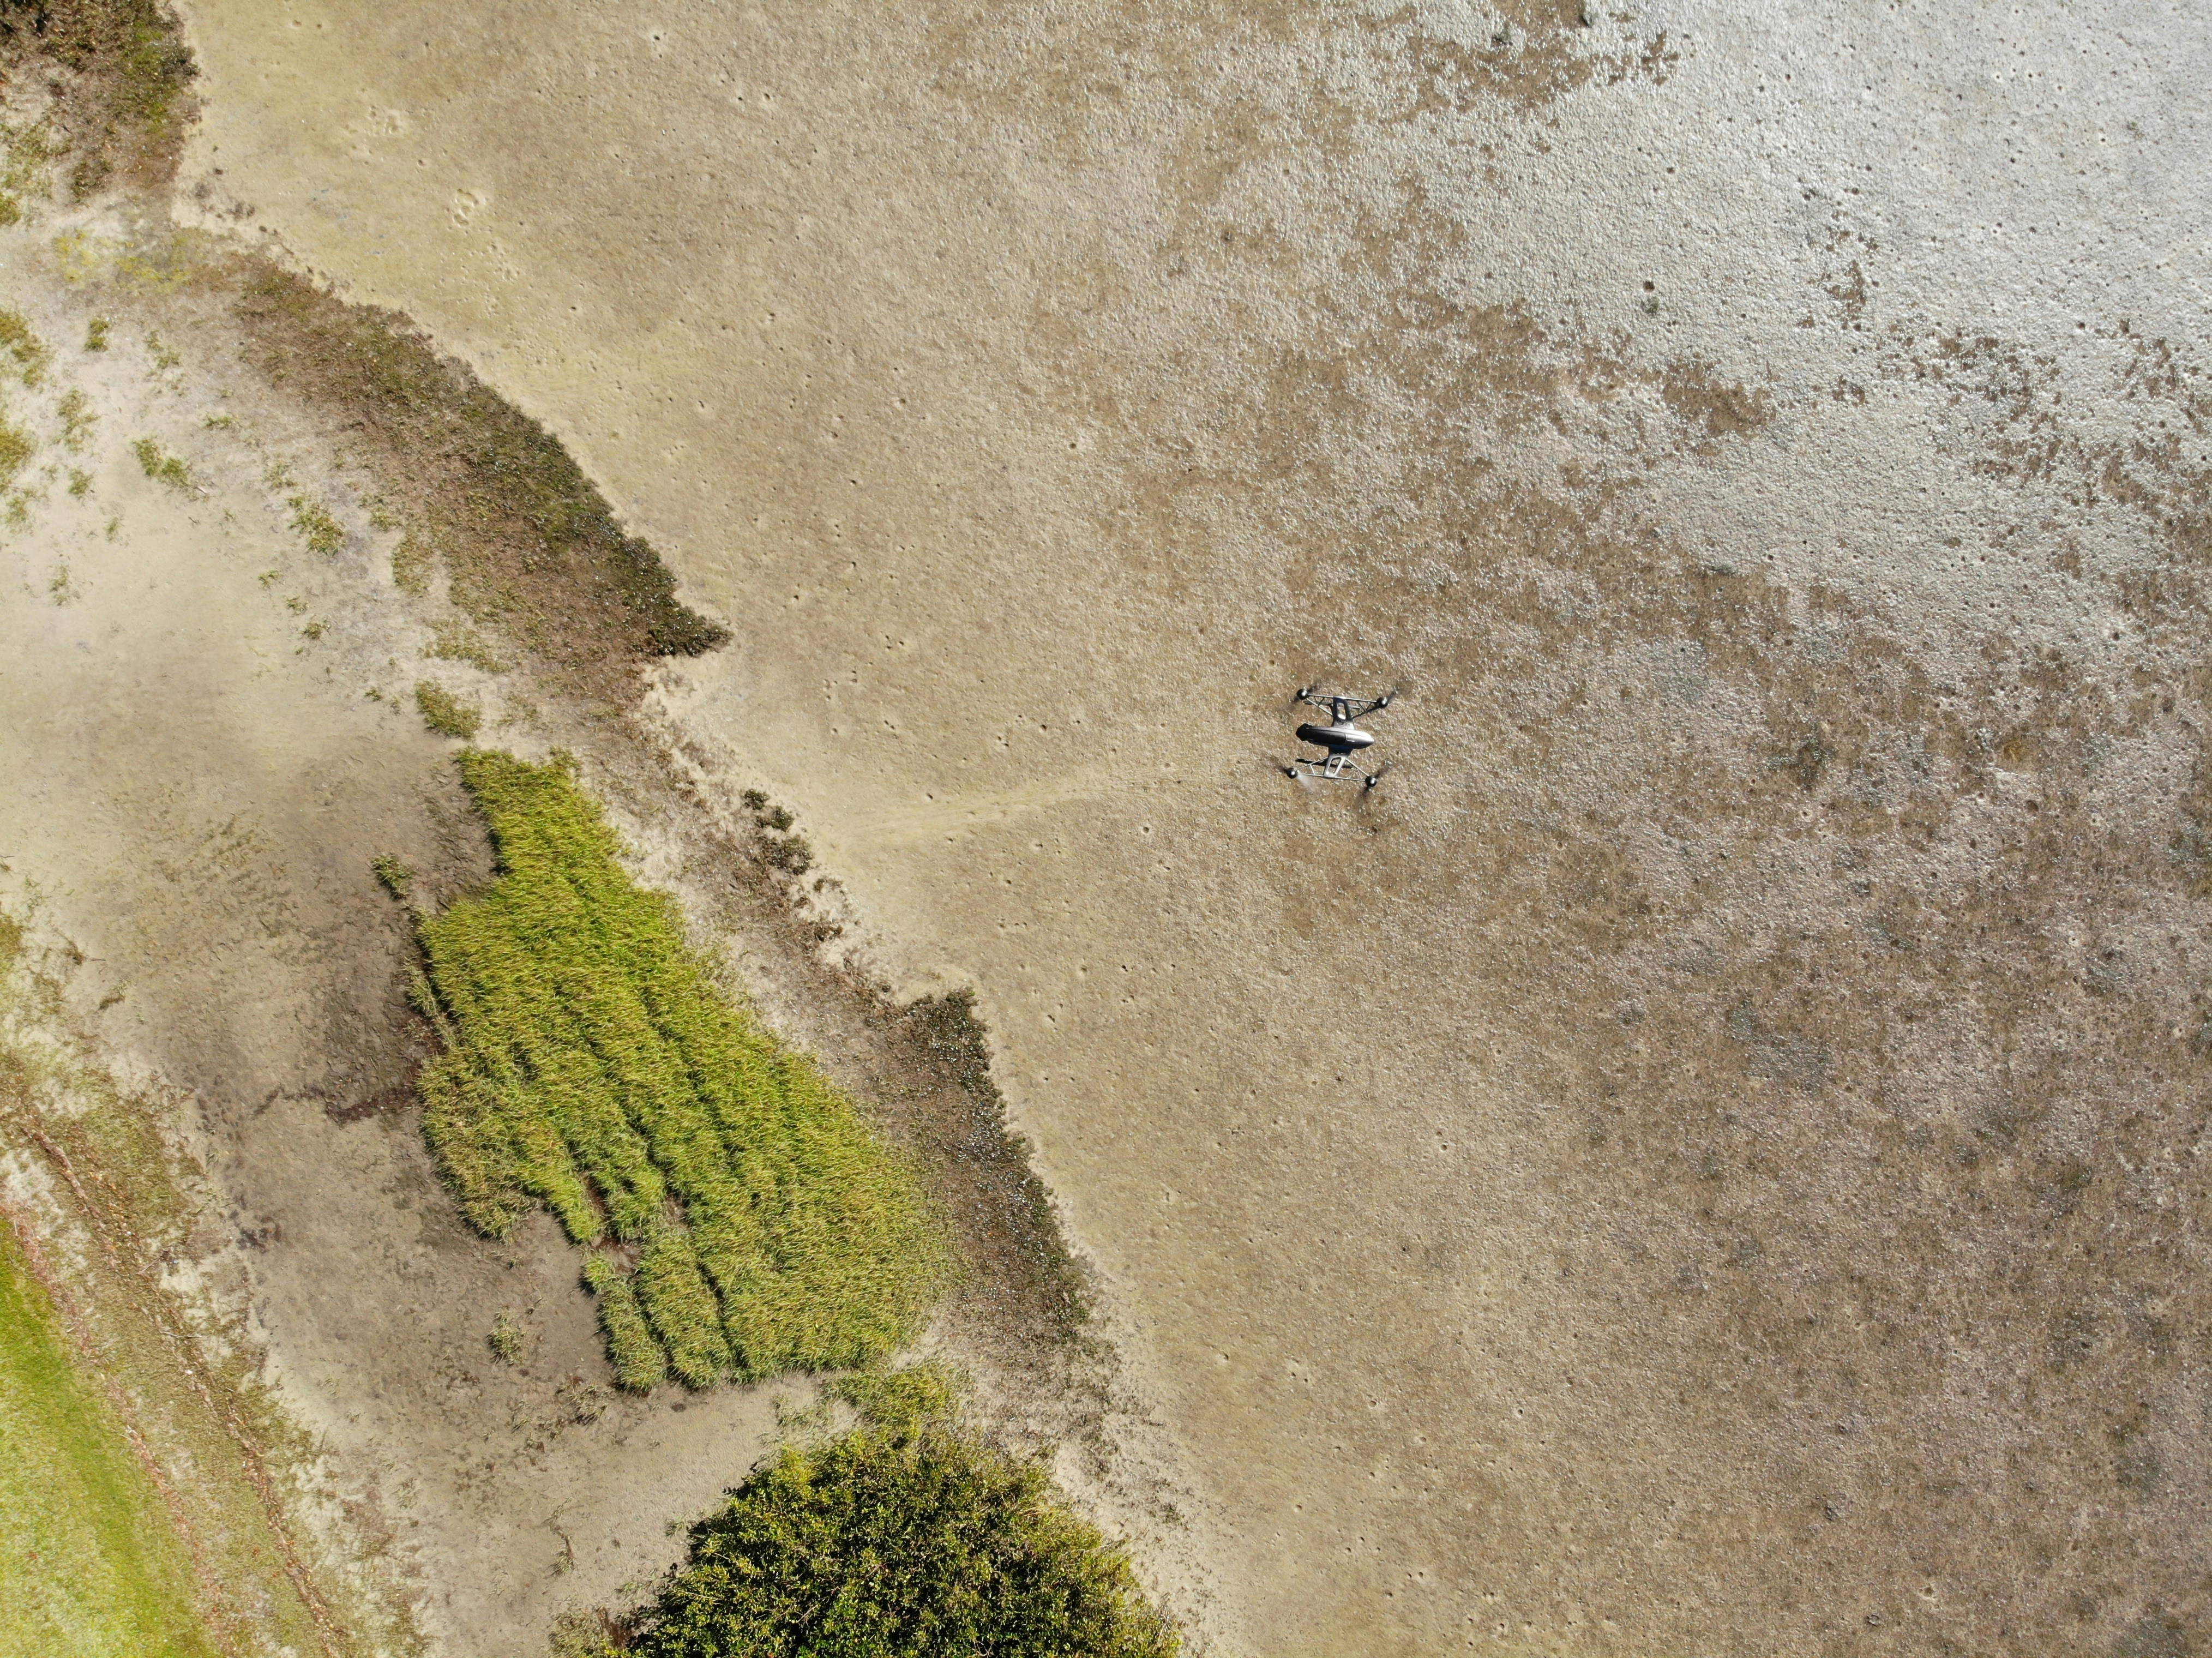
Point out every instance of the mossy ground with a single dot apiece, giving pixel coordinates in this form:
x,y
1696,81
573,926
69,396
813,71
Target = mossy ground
x,y
909,1537
745,1220
88,1565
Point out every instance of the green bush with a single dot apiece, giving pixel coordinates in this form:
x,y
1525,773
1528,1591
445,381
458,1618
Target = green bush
x,y
446,713
918,1540
592,1066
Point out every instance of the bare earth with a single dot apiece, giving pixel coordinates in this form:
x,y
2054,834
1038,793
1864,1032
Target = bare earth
x,y
1705,1158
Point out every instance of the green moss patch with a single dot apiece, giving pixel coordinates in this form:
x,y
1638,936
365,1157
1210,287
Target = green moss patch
x,y
913,1540
88,1561
746,1220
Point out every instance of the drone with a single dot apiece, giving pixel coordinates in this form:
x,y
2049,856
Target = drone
x,y
1341,737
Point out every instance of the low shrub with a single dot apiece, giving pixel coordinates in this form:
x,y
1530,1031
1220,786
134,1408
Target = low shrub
x,y
906,1541
591,1065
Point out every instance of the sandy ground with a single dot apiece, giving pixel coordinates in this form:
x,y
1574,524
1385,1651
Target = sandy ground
x,y
207,736
1706,1157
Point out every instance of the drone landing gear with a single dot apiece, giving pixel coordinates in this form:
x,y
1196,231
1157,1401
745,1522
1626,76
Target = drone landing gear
x,y
1337,768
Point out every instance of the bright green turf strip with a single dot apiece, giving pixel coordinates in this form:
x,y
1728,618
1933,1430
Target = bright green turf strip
x,y
88,1566
592,1066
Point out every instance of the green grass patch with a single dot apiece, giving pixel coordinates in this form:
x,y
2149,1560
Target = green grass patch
x,y
902,1540
28,350
95,334
88,1562
446,713
745,1220
322,533
392,875
162,468
454,640
16,449
77,421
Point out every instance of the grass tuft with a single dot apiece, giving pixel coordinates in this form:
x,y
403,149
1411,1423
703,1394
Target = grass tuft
x,y
592,1066
160,467
77,421
394,877
446,713
454,640
507,1338
905,1538
322,533
29,351
16,452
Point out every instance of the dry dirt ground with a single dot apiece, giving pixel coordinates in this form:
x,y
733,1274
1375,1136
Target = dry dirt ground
x,y
1706,1157
208,723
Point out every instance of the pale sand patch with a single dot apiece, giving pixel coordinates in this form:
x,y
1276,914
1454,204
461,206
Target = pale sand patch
x,y
1702,1160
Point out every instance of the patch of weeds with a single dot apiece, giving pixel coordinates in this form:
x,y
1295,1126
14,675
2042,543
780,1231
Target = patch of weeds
x,y
322,533
95,334
80,483
28,350
15,450
130,98
380,516
525,539
163,353
454,640
19,508
507,1338
270,578
394,876
24,154
276,475
988,1177
410,565
791,854
905,1399
316,628
160,467
57,586
77,420
921,1538
219,422
446,713
591,1065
